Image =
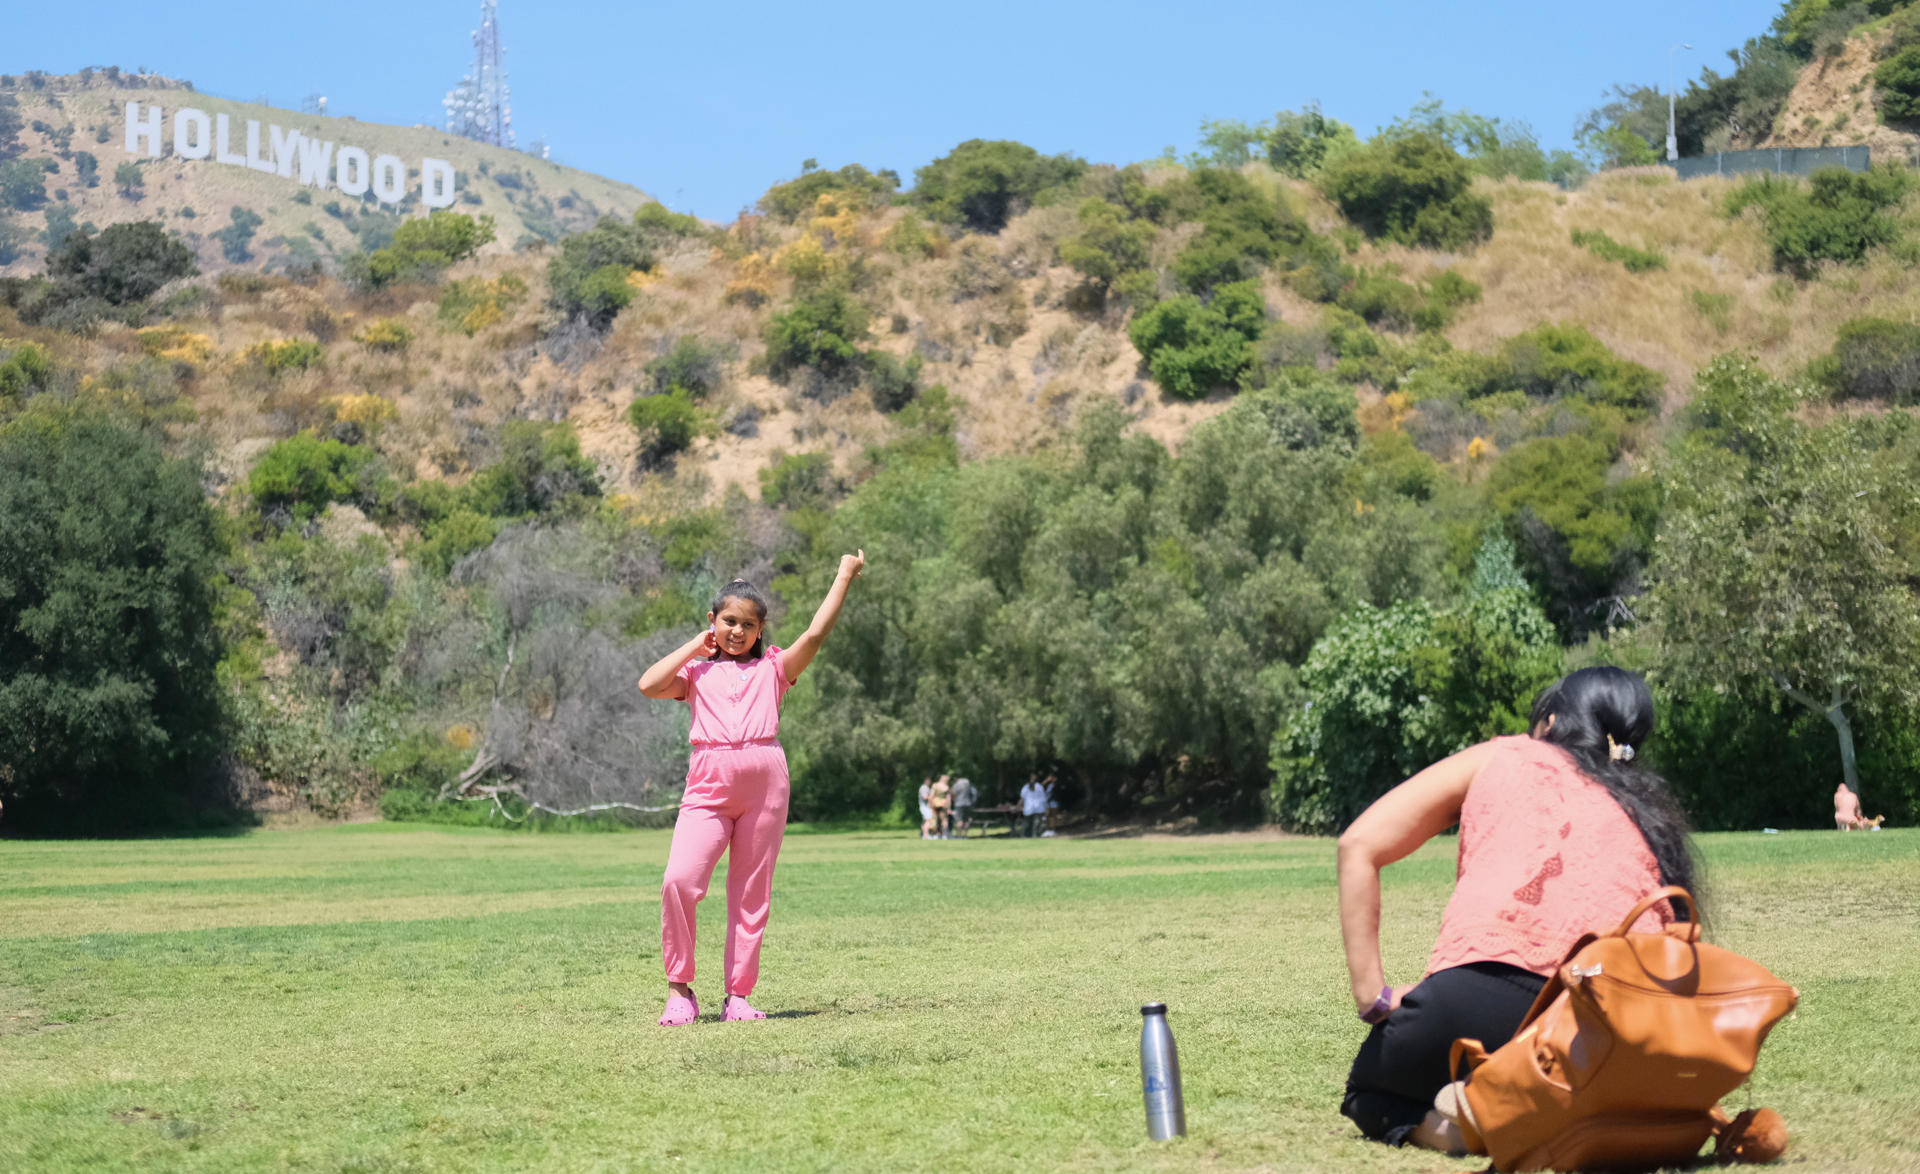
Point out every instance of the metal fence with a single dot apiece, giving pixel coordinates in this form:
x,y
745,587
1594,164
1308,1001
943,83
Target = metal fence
x,y
1779,161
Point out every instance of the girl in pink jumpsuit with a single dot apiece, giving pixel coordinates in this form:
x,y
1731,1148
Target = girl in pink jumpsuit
x,y
736,796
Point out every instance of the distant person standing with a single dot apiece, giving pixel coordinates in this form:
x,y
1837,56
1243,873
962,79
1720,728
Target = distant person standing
x,y
941,800
963,797
926,808
1053,805
1033,807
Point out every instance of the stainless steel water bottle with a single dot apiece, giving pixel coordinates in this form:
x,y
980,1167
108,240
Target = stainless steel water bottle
x,y
1160,1075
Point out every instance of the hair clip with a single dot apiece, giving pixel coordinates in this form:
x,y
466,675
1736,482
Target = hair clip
x,y
1619,751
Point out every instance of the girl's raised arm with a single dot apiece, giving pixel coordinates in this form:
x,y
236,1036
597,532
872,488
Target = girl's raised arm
x,y
798,657
662,679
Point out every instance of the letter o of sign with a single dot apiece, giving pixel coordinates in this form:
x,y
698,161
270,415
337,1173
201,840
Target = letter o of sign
x,y
350,171
389,179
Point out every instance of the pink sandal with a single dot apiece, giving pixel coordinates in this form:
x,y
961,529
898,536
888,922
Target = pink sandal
x,y
738,1010
680,1011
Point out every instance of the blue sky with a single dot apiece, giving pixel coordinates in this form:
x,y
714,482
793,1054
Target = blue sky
x,y
706,106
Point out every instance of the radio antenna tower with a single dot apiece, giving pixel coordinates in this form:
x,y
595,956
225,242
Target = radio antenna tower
x,y
478,107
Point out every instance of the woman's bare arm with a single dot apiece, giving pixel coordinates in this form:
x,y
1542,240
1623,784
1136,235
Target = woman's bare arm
x,y
1397,823
798,657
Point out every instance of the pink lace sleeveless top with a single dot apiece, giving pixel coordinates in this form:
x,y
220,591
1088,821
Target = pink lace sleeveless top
x,y
1546,855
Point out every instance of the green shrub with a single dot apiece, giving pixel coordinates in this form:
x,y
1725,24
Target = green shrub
x,y
1300,143
820,332
1447,291
1410,188
539,470
24,371
23,184
787,202
1897,83
1837,215
802,480
475,303
129,180
423,247
238,234
982,184
303,474
287,354
1873,358
1108,247
667,424
660,221
1193,347
454,537
124,263
588,280
108,634
696,367
893,383
1243,231
1605,247
1382,300
1555,361
389,335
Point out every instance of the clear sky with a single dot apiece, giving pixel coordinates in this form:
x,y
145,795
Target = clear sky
x,y
706,106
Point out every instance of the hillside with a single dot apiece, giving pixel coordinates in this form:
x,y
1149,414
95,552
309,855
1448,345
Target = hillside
x,y
528,197
1153,463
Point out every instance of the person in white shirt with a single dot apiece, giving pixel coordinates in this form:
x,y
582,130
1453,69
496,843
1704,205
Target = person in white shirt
x,y
1033,807
926,808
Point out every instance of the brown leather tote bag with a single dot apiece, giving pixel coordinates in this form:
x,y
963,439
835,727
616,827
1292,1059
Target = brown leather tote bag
x,y
1625,1053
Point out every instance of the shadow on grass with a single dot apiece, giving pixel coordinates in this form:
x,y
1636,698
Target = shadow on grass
x,y
791,1014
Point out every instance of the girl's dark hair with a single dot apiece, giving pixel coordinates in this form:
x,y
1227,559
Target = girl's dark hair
x,y
747,593
1593,705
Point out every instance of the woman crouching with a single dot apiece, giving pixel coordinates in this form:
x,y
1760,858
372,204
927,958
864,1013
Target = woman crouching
x,y
1559,835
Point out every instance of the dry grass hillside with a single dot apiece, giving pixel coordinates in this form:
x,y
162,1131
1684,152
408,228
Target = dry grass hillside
x,y
989,315
1833,105
526,195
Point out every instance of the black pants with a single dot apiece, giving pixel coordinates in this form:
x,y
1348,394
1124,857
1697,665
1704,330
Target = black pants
x,y
1403,1062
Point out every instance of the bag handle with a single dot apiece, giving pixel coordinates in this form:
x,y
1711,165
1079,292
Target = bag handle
x,y
1472,1051
1669,893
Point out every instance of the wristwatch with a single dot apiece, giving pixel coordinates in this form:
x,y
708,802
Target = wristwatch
x,y
1381,1007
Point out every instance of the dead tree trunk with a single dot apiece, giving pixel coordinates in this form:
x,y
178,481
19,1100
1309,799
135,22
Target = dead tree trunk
x,y
1834,711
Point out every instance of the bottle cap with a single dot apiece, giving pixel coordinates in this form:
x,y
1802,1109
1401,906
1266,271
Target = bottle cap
x,y
1154,1009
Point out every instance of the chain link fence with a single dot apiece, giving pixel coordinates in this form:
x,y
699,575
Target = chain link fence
x,y
1777,160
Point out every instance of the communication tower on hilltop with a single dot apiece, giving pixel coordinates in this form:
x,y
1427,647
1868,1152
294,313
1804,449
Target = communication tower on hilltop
x,y
478,108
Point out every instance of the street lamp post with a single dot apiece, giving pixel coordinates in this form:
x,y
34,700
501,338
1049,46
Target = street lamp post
x,y
1673,142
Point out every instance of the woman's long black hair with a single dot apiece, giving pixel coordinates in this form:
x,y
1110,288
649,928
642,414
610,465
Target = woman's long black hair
x,y
1595,710
747,593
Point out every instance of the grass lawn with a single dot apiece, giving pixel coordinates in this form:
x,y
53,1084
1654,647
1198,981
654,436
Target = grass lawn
x,y
394,997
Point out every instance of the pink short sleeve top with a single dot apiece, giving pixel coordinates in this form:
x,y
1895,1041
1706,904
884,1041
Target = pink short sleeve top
x,y
1546,854
736,700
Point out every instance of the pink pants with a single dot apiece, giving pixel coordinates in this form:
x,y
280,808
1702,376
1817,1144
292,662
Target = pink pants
x,y
736,800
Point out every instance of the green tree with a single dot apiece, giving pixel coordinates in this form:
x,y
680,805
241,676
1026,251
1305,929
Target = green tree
x,y
788,202
540,469
588,282
23,184
424,247
1300,143
128,179
1783,567
1873,358
11,124
108,644
303,474
982,184
1837,215
238,234
1194,348
1412,188
87,168
124,263
819,331
1108,247
667,424
1897,84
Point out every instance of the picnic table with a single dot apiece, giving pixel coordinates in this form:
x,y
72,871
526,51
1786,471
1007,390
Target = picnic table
x,y
983,816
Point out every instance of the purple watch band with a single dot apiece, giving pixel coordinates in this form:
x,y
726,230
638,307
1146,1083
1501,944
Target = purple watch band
x,y
1382,1006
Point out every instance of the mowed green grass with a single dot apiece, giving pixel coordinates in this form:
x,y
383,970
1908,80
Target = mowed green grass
x,y
391,997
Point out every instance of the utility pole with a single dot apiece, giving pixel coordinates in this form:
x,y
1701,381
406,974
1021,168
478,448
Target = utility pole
x,y
1673,141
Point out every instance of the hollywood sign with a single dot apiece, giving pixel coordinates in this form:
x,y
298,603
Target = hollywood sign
x,y
289,154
